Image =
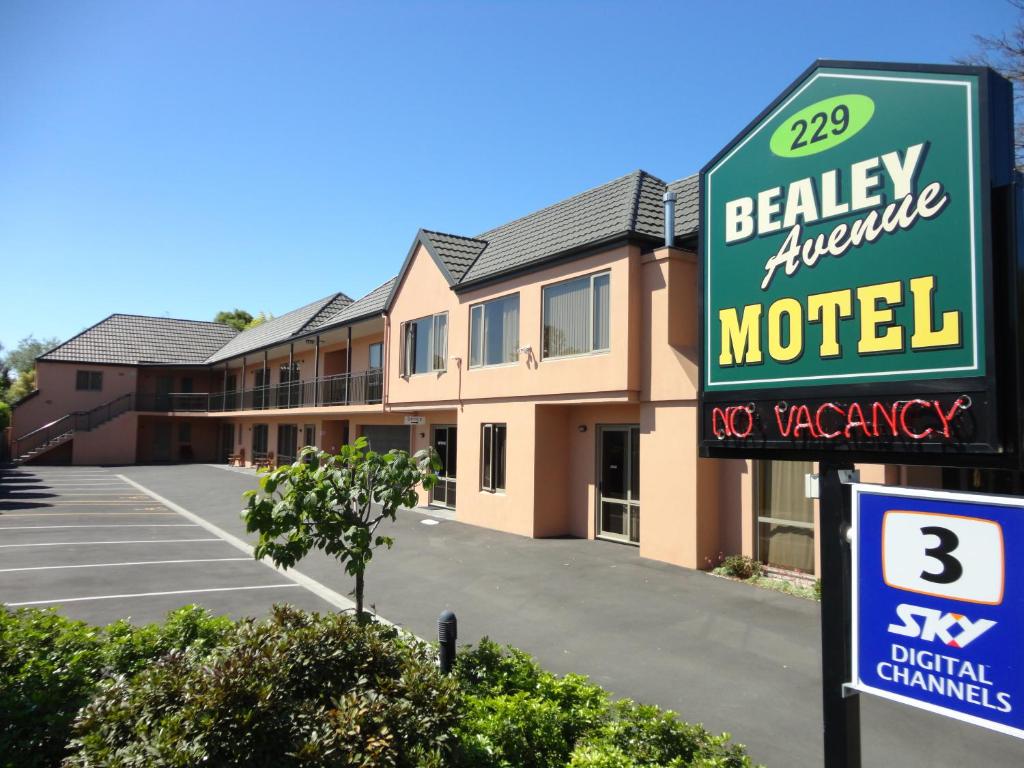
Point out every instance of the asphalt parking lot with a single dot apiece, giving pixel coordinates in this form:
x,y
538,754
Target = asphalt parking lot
x,y
96,547
728,655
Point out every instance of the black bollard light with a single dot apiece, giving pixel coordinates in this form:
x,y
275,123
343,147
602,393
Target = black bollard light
x,y
447,632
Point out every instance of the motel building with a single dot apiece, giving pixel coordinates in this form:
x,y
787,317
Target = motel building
x,y
551,362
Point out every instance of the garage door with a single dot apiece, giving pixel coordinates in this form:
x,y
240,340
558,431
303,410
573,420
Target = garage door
x,y
383,439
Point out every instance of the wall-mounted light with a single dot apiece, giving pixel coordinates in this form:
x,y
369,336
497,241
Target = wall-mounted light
x,y
581,428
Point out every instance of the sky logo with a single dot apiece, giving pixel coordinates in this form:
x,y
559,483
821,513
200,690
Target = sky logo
x,y
938,625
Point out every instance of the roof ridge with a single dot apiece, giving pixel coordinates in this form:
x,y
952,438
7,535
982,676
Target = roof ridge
x,y
162,317
596,187
684,178
316,315
451,234
632,216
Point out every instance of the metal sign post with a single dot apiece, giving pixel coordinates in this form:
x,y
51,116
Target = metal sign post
x,y
840,707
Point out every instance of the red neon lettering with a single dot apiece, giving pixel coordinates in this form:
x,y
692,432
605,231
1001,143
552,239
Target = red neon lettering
x,y
887,414
947,416
750,421
789,423
803,421
903,420
858,422
817,419
717,414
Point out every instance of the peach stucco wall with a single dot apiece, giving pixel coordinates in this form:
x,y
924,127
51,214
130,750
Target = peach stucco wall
x,y
58,397
111,443
424,291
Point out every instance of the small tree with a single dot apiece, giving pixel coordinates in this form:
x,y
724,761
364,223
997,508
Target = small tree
x,y
335,503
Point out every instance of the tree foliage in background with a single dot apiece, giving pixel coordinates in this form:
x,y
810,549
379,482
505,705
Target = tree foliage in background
x,y
241,320
20,364
335,503
1005,54
237,318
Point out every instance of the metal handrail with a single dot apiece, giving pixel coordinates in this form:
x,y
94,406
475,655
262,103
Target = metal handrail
x,y
362,388
76,421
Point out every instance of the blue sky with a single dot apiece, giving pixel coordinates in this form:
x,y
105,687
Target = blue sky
x,y
177,158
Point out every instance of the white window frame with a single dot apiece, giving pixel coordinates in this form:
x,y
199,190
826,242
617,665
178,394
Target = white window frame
x,y
488,431
369,356
590,313
482,306
430,345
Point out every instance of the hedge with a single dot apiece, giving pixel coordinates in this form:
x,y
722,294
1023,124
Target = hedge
x,y
304,689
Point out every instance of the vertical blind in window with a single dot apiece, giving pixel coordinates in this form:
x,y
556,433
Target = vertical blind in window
x,y
492,457
602,311
577,316
494,332
785,516
425,344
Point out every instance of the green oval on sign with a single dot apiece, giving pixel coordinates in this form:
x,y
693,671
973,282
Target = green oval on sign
x,y
822,125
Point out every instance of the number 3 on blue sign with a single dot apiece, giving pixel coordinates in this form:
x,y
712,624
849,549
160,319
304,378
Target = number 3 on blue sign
x,y
949,556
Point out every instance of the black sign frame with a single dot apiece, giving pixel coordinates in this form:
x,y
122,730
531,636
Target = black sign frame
x,y
995,399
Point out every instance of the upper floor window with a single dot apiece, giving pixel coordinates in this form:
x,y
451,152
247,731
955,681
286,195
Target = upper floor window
x,y
577,316
425,344
89,380
262,377
376,355
289,373
494,331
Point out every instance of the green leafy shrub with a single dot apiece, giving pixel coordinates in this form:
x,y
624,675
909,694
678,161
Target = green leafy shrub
x,y
817,589
741,567
297,689
520,716
128,649
652,737
48,669
51,666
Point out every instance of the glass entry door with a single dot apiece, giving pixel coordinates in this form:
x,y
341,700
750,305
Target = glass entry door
x,y
619,483
445,442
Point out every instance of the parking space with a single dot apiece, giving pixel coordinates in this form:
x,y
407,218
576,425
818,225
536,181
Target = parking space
x,y
98,548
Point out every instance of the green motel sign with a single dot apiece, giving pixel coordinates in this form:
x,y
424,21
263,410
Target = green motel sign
x,y
846,248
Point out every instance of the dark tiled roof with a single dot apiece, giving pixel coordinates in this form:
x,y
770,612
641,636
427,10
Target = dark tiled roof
x,y
275,331
333,307
135,339
372,303
687,200
456,252
629,204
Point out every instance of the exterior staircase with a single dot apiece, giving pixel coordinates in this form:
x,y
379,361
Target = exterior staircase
x,y
49,436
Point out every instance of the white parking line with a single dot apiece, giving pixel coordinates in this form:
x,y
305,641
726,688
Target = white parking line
x,y
138,562
74,543
111,525
5,515
318,589
150,594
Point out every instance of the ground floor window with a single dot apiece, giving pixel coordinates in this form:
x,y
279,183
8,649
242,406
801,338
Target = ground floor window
x,y
259,440
287,443
785,516
492,454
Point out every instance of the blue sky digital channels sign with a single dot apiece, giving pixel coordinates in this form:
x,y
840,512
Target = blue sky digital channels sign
x,y
938,602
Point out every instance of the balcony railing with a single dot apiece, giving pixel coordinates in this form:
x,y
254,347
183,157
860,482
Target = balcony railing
x,y
364,388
